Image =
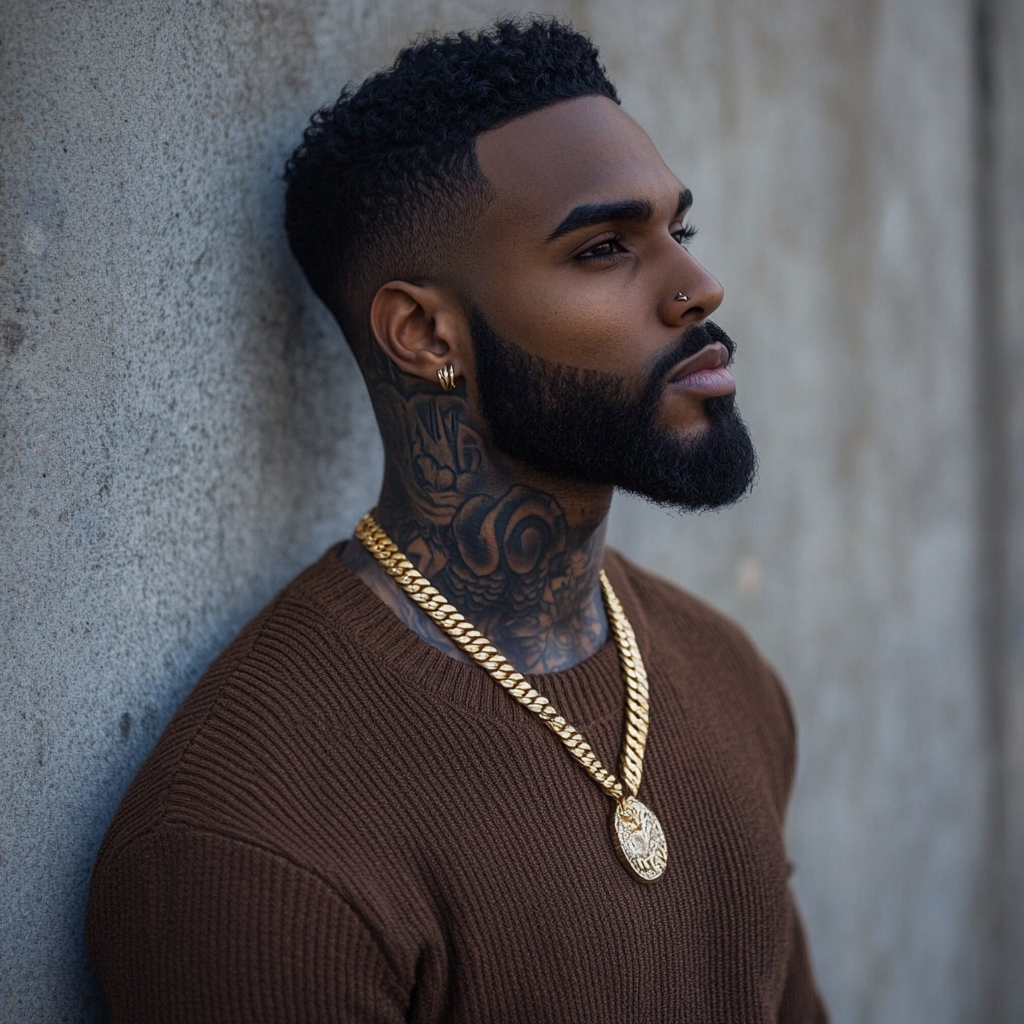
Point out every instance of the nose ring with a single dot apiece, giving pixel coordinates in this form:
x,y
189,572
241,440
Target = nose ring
x,y
680,297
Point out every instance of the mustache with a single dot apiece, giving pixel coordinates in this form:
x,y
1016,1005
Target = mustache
x,y
692,341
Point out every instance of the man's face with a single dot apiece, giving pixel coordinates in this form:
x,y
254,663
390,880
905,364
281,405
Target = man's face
x,y
575,268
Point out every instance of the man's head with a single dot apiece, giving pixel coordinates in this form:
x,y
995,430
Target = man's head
x,y
486,203
386,184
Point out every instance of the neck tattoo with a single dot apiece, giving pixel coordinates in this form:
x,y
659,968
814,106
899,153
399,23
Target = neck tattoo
x,y
503,551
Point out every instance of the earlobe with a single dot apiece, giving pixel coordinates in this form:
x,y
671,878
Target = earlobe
x,y
414,326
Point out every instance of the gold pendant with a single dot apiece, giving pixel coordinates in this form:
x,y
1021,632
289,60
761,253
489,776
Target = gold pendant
x,y
639,839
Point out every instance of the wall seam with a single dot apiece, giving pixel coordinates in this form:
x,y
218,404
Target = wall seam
x,y
993,474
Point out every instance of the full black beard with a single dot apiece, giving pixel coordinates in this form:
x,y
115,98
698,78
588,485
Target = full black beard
x,y
595,427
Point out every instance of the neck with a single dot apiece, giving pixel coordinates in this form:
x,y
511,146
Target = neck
x,y
518,554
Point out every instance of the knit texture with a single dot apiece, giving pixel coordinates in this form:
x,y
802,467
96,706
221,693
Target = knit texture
x,y
343,824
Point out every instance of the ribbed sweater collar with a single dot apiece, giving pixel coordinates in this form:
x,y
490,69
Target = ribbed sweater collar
x,y
587,692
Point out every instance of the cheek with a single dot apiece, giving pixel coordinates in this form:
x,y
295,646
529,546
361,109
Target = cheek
x,y
592,324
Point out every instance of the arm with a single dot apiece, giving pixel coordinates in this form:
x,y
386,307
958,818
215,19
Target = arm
x,y
186,926
801,1001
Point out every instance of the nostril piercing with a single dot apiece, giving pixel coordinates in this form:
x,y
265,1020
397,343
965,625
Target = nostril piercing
x,y
680,297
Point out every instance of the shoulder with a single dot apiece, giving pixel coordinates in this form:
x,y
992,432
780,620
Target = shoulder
x,y
241,748
263,792
665,606
718,669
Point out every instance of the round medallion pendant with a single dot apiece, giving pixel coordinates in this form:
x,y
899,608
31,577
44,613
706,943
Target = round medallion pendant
x,y
639,840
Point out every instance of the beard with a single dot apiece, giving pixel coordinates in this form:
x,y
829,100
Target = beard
x,y
600,428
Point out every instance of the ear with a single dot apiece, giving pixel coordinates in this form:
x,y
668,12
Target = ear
x,y
421,328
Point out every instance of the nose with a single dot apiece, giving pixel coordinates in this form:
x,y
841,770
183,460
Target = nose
x,y
691,294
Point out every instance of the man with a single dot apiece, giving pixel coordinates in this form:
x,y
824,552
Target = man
x,y
358,814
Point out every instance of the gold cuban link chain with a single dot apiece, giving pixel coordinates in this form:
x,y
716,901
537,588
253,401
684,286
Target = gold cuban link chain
x,y
639,840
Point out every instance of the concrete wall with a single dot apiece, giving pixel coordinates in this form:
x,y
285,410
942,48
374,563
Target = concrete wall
x,y
1000,209
182,429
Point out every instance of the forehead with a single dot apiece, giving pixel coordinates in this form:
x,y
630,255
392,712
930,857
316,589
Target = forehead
x,y
586,150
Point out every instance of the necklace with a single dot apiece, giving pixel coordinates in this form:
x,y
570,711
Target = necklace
x,y
636,832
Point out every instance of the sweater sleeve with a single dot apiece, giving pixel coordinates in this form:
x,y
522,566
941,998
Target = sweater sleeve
x,y
187,926
801,1001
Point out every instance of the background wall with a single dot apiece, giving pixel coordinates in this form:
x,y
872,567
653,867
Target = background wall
x,y
182,427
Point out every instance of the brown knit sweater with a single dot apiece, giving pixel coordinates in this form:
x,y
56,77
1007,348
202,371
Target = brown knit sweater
x,y
344,824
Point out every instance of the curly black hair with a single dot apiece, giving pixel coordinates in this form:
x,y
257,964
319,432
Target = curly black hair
x,y
386,179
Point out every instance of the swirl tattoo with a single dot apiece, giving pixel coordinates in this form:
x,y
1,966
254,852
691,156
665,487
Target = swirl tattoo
x,y
504,553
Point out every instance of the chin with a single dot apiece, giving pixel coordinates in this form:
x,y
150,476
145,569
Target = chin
x,y
692,425
691,414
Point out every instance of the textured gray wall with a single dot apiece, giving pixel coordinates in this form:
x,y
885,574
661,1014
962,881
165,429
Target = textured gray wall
x,y
182,428
837,151
1001,353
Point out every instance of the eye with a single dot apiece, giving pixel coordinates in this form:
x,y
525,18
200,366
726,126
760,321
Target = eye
x,y
683,234
603,250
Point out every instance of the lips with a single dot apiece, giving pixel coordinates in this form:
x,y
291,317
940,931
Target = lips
x,y
705,373
707,382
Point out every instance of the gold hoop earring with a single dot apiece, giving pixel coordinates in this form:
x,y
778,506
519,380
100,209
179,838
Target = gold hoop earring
x,y
446,375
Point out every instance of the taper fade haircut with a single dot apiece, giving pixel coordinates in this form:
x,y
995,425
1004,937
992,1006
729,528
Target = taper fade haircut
x,y
386,181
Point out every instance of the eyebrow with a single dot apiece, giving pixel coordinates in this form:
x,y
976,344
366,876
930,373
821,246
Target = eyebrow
x,y
588,215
